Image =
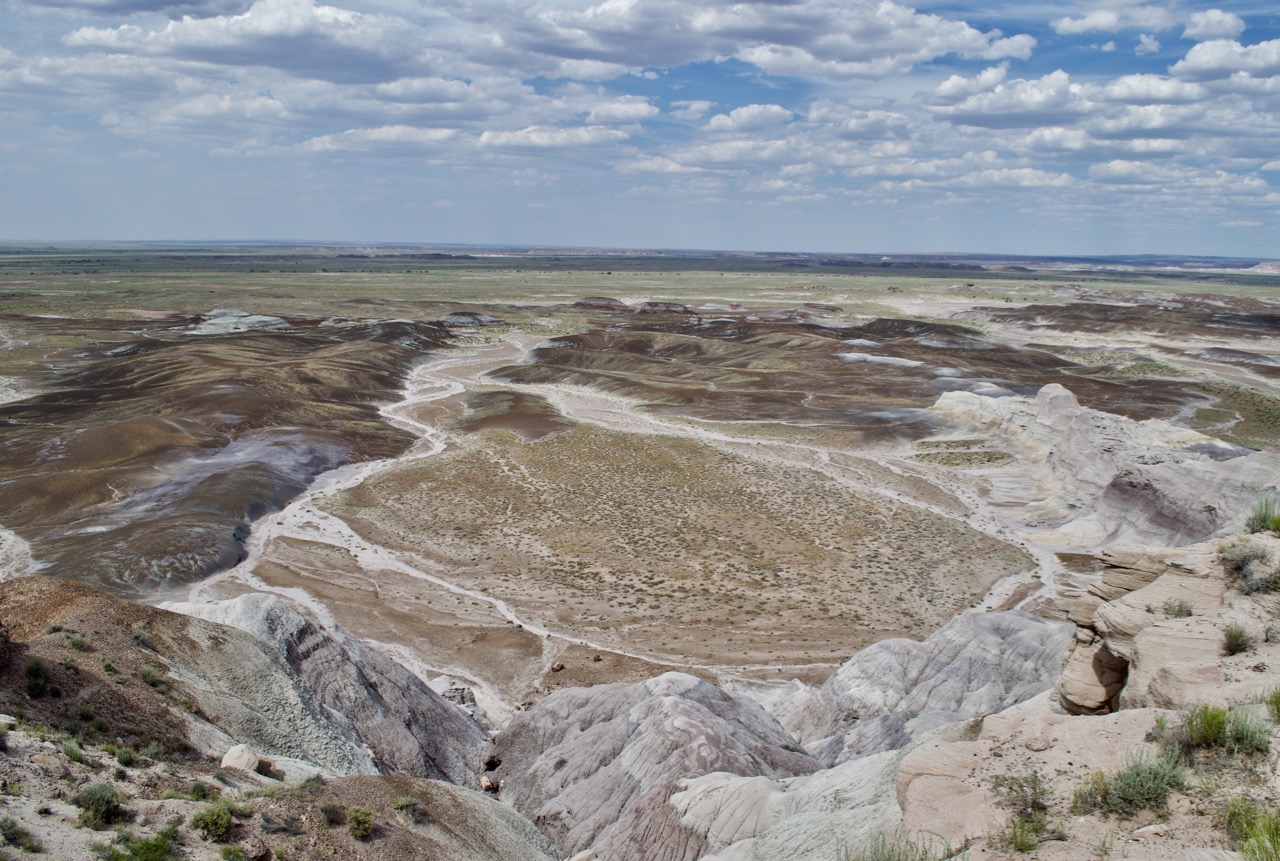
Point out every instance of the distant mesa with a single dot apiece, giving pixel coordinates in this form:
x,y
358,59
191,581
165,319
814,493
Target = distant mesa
x,y
457,319
663,308
224,321
601,303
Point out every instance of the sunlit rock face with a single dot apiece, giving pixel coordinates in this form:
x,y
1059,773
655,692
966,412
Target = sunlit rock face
x,y
595,767
141,464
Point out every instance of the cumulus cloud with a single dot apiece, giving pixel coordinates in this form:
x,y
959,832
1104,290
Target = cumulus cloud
x,y
1213,24
297,36
1050,100
691,110
1222,58
545,137
386,137
832,39
1148,90
1115,20
623,110
1147,44
751,118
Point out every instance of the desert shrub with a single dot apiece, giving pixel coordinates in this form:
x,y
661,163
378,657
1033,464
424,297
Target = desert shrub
x,y
360,822
1180,609
161,846
1091,795
1238,817
201,791
1263,840
1206,726
234,853
1026,794
213,823
71,750
409,806
284,825
1249,565
1143,784
149,675
78,642
1272,700
126,756
152,750
1235,639
897,847
1245,733
1023,835
100,807
1265,516
334,814
18,837
38,673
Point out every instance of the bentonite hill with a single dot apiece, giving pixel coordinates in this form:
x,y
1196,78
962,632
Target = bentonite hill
x,y
668,557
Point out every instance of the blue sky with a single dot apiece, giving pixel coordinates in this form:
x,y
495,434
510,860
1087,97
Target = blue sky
x,y
1074,127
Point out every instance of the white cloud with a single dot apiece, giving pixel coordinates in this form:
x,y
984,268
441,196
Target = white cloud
x,y
656,164
1147,44
1050,100
957,87
1148,90
1221,58
1213,24
691,110
544,137
750,118
1115,20
622,110
364,140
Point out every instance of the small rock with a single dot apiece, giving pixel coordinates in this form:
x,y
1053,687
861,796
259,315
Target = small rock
x,y
1259,667
486,784
1038,744
8,722
557,667
1154,830
51,764
595,659
240,756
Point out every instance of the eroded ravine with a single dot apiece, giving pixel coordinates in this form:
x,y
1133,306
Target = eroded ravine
x,y
287,551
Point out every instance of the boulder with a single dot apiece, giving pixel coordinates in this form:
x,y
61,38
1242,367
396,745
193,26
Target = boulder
x,y
241,756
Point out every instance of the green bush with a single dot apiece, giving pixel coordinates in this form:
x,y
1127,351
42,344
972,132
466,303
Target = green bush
x,y
213,823
334,814
1265,516
100,807
1092,795
1207,727
898,847
1180,609
1245,733
1249,566
38,673
162,846
1144,784
1235,639
360,822
1263,841
1238,817
126,756
17,836
1272,700
78,642
71,749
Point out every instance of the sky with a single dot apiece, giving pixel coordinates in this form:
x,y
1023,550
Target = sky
x,y
997,126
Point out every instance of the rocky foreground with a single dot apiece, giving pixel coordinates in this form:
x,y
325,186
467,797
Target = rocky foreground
x,y
295,730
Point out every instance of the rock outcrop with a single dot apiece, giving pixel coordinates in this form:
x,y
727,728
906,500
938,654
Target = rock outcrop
x,y
1150,631
1088,478
290,690
878,700
595,767
389,719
